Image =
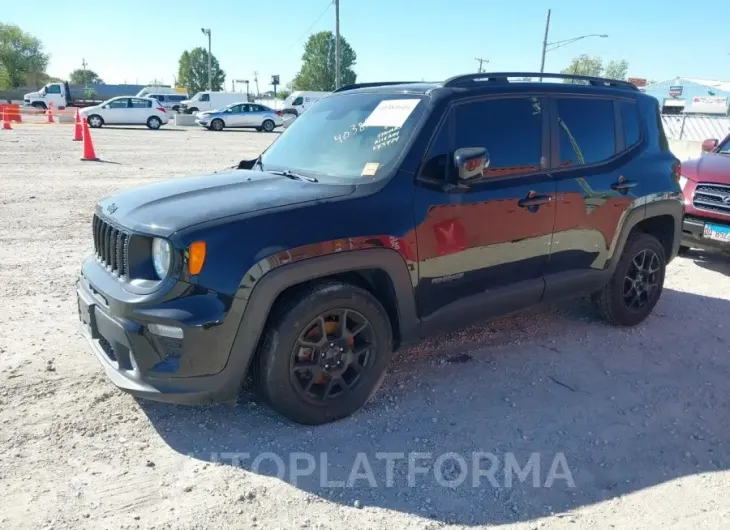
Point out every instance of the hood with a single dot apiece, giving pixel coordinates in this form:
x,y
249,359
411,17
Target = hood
x,y
87,110
30,95
171,205
711,167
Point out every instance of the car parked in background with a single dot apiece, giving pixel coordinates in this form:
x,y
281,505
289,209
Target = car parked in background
x,y
299,101
127,111
705,183
170,101
238,115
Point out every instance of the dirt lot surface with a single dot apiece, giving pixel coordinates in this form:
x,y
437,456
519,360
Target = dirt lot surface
x,y
630,427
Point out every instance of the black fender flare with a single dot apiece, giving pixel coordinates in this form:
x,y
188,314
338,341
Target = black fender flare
x,y
262,285
673,207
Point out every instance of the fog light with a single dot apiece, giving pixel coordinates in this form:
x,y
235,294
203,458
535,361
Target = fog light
x,y
162,330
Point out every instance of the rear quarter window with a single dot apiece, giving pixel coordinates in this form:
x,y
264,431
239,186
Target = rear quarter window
x,y
631,124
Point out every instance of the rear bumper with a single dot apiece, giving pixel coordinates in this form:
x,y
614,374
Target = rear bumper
x,y
693,234
195,369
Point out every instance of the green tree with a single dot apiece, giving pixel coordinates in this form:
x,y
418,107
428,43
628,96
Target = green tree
x,y
4,79
20,54
84,77
584,65
192,72
616,70
318,68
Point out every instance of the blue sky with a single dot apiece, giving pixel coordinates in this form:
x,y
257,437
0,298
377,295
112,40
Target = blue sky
x,y
394,39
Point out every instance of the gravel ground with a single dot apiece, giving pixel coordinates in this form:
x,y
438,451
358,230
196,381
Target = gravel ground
x,y
624,428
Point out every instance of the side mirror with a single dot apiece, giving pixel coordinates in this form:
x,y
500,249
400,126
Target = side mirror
x,y
247,164
709,145
471,162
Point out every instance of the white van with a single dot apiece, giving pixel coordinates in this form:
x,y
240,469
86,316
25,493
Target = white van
x,y
162,89
299,101
211,101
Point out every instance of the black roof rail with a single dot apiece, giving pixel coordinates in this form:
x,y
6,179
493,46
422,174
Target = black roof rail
x,y
503,77
376,83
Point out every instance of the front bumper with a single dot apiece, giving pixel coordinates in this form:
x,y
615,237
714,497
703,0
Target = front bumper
x,y
693,229
193,370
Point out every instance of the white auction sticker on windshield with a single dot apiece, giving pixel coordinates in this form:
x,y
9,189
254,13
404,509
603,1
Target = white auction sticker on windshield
x,y
391,113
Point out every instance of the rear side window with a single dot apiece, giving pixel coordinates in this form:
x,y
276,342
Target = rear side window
x,y
630,119
509,128
586,131
141,103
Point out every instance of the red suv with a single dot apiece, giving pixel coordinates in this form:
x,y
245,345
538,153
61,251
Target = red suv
x,y
705,183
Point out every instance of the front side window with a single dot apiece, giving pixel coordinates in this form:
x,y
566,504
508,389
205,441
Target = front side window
x,y
54,89
586,129
509,128
725,147
298,101
205,97
348,135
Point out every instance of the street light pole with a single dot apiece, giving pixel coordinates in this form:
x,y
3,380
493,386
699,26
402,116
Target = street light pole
x,y
337,44
544,44
210,62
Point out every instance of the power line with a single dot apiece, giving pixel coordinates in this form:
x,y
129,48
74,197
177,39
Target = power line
x,y
298,40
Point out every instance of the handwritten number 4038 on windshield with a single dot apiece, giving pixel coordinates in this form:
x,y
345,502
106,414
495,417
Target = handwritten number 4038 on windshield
x,y
352,131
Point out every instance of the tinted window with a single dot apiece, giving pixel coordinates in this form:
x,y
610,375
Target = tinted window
x,y
159,98
141,103
298,101
176,98
510,129
630,119
586,131
205,97
54,89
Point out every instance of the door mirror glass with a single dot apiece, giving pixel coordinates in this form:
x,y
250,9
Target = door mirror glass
x,y
709,145
471,162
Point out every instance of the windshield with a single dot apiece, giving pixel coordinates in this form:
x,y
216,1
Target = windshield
x,y
347,135
196,97
725,148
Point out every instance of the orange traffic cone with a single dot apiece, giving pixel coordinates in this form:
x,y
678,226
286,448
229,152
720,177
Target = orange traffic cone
x,y
78,133
49,113
6,120
89,153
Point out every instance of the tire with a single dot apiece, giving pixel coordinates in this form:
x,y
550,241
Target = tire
x,y
611,302
304,312
217,124
176,108
95,121
268,125
39,105
154,123
191,111
683,251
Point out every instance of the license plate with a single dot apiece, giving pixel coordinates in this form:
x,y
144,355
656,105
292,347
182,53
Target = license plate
x,y
86,314
717,232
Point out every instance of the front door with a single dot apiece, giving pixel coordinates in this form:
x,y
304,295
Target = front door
x,y
117,111
597,183
484,243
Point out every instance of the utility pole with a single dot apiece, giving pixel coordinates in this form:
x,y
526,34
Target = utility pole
x,y
481,61
83,66
337,44
256,80
210,59
544,44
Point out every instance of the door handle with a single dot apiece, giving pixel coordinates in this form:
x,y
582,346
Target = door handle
x,y
537,200
623,184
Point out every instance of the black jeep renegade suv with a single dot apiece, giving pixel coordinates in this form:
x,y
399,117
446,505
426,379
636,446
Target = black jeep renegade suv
x,y
386,212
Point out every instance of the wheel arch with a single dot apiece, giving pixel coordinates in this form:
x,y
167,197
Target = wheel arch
x,y
382,272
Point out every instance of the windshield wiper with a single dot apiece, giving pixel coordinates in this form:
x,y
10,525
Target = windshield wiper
x,y
294,176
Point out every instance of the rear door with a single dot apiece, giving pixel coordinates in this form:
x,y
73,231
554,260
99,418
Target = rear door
x,y
484,244
595,140
140,110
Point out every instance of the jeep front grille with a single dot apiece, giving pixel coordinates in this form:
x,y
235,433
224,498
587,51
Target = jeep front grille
x,y
110,246
712,198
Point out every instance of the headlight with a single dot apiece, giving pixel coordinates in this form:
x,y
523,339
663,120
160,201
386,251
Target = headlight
x,y
161,257
682,181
